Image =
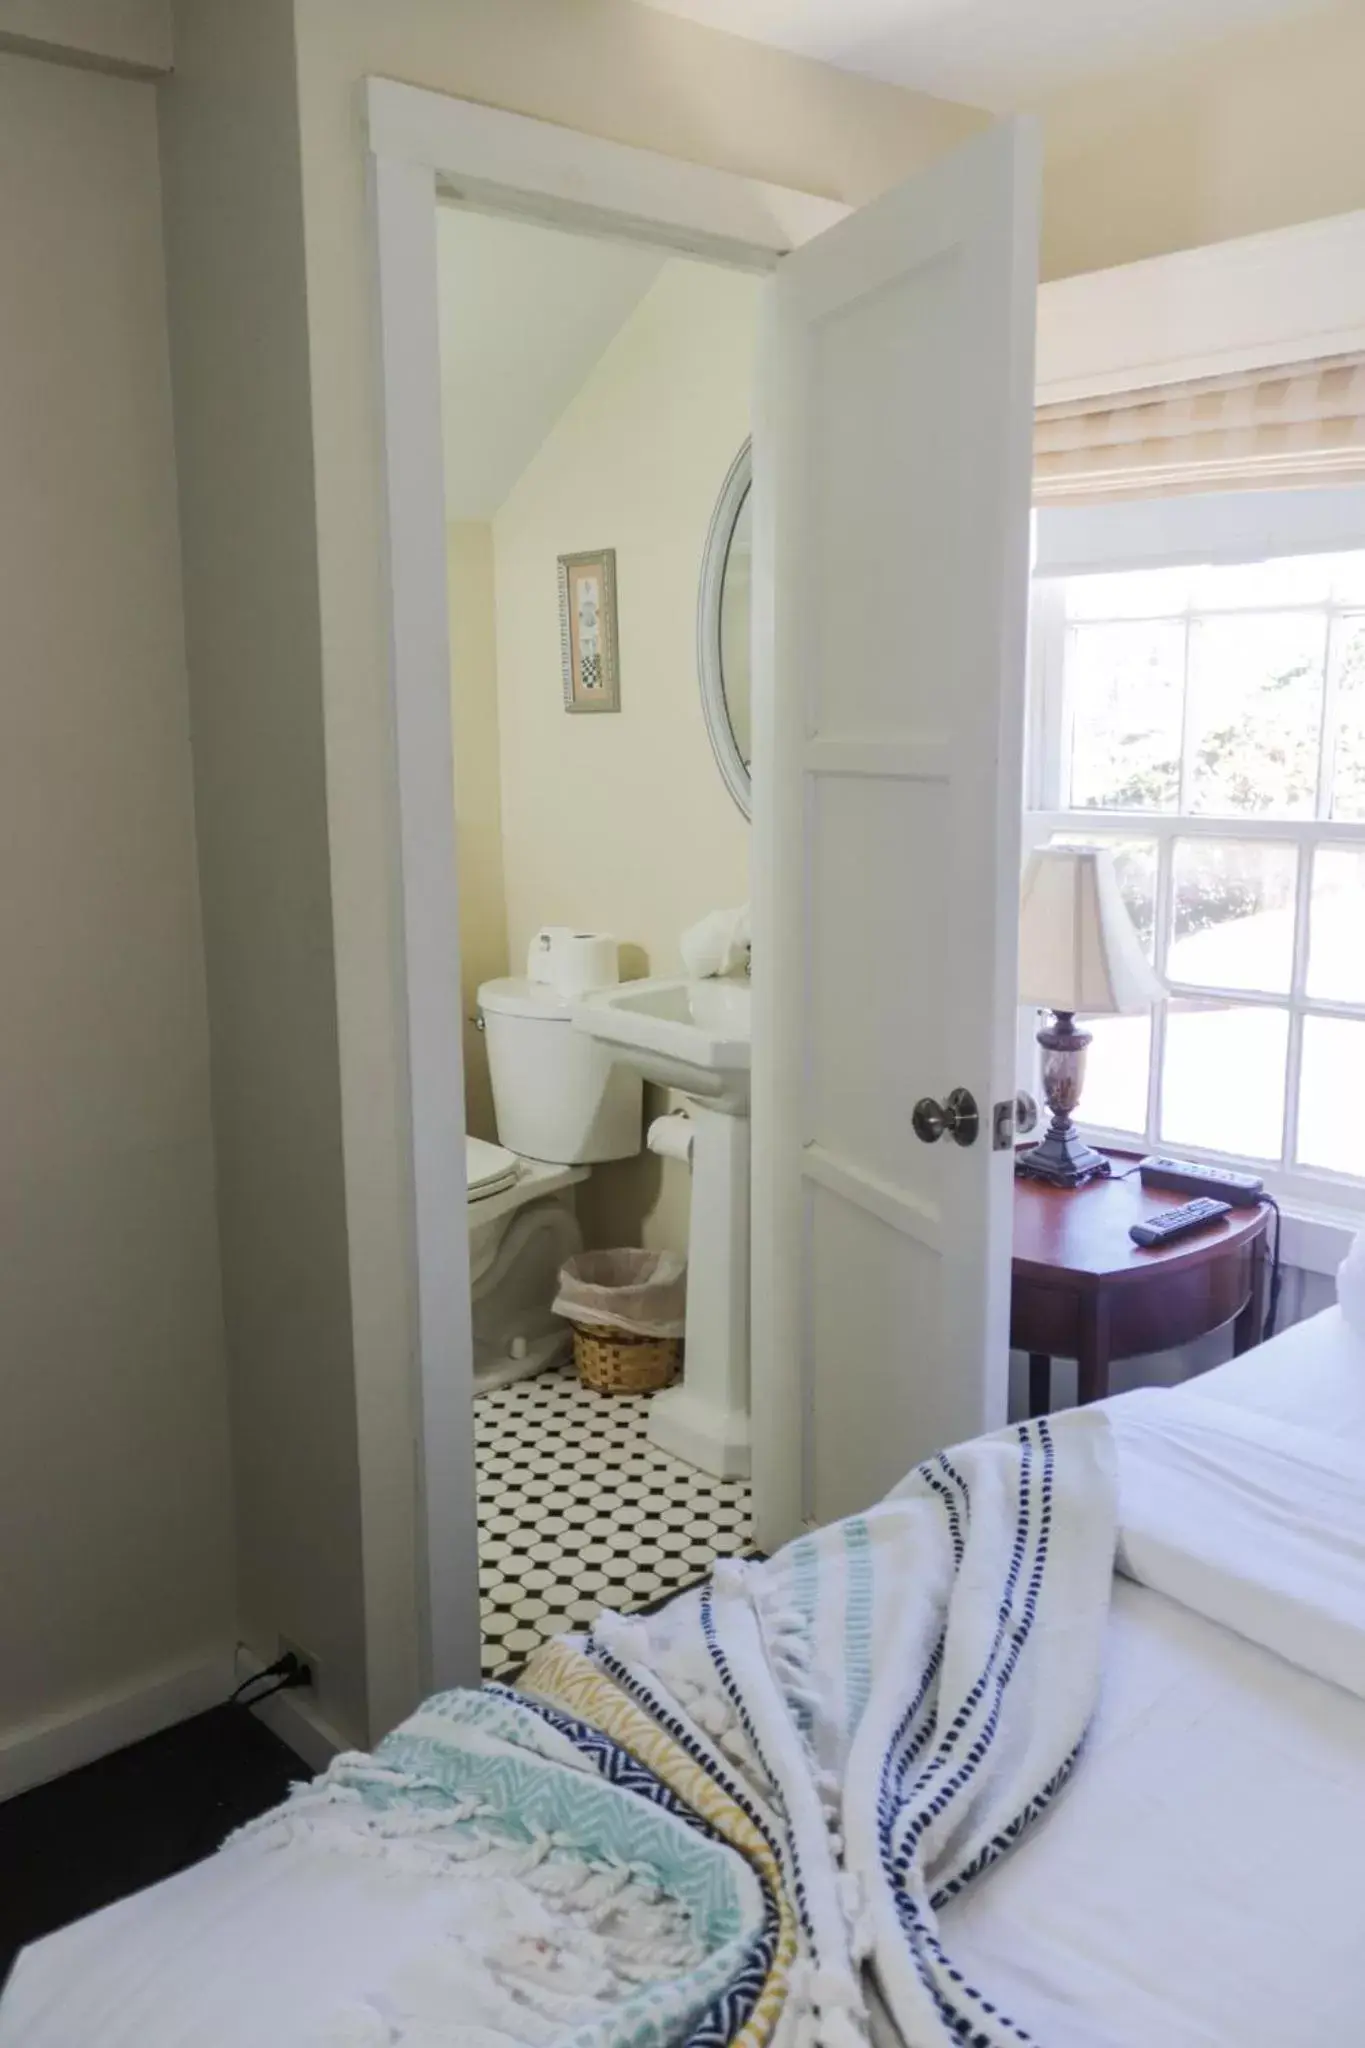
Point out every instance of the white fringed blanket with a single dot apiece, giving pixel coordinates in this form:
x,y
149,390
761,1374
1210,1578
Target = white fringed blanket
x,y
737,1821
905,1692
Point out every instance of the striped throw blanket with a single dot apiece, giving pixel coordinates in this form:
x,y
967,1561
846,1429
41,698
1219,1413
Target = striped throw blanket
x,y
872,1718
731,1824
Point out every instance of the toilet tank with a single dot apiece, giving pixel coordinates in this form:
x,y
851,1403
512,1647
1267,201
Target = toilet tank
x,y
558,1095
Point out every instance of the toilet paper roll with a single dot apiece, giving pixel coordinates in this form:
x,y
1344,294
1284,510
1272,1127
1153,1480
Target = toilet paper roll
x,y
580,961
671,1136
543,952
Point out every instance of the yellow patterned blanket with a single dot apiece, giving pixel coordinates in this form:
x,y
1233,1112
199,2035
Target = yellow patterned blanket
x,y
563,1678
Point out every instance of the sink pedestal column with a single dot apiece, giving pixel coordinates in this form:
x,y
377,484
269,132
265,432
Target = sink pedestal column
x,y
705,1419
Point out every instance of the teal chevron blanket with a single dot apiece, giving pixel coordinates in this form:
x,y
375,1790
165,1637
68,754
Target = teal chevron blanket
x,y
588,1908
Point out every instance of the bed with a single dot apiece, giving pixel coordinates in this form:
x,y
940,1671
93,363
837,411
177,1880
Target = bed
x,y
1193,1882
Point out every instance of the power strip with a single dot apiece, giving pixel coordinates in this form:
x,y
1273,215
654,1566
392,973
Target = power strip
x,y
1189,1177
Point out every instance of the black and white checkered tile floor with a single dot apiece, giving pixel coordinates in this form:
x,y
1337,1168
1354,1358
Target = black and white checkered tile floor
x,y
578,1511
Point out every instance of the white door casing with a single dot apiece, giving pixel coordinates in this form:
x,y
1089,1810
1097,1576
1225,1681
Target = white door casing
x,y
506,163
892,462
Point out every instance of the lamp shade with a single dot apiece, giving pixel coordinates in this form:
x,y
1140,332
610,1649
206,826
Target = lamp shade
x,y
1078,947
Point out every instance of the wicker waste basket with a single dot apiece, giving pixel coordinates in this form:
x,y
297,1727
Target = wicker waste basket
x,y
627,1310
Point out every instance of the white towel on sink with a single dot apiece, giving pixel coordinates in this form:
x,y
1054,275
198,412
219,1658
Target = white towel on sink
x,y
717,944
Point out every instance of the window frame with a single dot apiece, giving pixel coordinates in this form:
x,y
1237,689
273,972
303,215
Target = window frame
x,y
1117,539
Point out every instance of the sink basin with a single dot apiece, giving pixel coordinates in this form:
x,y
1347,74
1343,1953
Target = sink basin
x,y
690,1035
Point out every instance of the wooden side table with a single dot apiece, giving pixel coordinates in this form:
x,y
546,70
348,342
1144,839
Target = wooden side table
x,y
1083,1290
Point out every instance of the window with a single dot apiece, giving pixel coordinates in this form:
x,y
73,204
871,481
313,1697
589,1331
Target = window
x,y
1207,722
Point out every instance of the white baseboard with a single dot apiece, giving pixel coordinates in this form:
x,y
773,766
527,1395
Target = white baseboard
x,y
46,1749
292,1716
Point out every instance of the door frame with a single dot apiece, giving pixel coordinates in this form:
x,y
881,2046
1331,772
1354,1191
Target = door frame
x,y
424,146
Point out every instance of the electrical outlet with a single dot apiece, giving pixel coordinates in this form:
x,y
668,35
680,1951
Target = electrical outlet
x,y
286,1648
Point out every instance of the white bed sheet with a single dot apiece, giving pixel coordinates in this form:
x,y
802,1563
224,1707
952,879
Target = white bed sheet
x,y
246,1950
1198,1885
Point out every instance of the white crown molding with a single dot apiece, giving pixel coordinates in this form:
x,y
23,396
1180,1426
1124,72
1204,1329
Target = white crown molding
x,y
1266,300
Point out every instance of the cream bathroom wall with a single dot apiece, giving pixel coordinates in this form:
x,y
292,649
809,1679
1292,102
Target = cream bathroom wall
x,y
1259,131
610,68
622,823
116,1561
478,794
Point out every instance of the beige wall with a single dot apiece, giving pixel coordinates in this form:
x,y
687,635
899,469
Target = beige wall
x,y
240,353
1259,131
623,823
114,1493
478,795
611,68
118,35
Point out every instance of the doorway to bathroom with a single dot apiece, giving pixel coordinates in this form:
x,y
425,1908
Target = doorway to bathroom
x,y
892,457
595,401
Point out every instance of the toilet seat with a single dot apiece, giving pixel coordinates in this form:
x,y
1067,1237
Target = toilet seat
x,y
488,1168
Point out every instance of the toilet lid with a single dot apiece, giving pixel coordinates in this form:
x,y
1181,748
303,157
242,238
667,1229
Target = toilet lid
x,y
489,1168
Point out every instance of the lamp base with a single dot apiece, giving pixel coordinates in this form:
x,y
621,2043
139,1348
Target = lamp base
x,y
1063,1158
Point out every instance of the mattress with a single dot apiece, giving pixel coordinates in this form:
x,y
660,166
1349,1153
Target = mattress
x,y
1197,1886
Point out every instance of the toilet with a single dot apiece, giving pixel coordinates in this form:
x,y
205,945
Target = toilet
x,y
562,1107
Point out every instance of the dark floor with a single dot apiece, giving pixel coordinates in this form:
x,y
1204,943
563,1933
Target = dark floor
x,y
131,1819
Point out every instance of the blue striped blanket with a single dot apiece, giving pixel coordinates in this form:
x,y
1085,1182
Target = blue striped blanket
x,y
738,1821
903,1693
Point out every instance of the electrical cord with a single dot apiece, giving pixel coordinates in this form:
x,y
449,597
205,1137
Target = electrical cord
x,y
1276,1268
285,1683
1276,1271
288,1671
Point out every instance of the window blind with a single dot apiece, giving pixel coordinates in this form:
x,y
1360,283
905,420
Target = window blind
x,y
1287,428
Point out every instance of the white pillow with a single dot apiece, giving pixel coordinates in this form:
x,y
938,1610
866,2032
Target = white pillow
x,y
1351,1285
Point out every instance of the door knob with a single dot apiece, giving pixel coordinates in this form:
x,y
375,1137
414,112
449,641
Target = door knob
x,y
1025,1113
958,1116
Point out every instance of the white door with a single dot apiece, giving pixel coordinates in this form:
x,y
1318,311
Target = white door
x,y
892,458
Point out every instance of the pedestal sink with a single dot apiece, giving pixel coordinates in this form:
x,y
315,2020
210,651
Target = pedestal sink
x,y
694,1036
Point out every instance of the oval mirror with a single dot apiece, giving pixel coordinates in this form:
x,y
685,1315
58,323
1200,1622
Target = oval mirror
x,y
723,628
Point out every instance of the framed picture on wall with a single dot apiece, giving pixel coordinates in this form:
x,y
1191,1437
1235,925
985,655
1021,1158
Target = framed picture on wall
x,y
587,631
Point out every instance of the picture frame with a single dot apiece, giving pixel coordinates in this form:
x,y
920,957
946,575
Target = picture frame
x,y
587,631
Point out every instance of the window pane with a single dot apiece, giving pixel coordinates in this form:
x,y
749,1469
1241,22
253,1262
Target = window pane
x,y
1256,714
1293,579
1137,594
1135,865
1336,930
1348,578
1125,686
1331,1095
1224,1077
1232,914
1348,779
1116,1068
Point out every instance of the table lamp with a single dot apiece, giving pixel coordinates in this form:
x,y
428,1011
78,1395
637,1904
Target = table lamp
x,y
1078,951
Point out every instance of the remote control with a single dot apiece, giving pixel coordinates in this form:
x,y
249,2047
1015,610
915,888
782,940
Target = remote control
x,y
1188,1177
1172,1223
